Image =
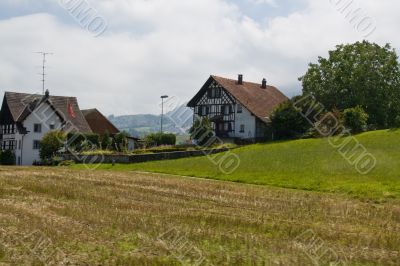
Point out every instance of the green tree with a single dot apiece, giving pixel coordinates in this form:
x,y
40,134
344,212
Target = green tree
x,y
121,141
51,143
106,141
201,131
363,74
288,122
158,139
355,119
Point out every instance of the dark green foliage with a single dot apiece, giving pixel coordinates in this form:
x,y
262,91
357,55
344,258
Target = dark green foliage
x,y
106,141
355,119
121,141
202,132
159,139
360,74
51,143
7,158
396,123
76,139
288,122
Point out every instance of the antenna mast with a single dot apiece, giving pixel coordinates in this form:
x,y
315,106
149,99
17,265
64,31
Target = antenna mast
x,y
43,74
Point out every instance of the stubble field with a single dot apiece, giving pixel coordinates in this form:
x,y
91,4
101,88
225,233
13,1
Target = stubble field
x,y
53,215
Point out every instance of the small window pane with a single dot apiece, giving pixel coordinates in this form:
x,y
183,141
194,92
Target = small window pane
x,y
37,128
36,144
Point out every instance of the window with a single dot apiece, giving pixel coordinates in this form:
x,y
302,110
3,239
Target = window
x,y
205,110
19,144
36,144
52,127
241,128
239,109
218,93
12,145
37,128
214,93
226,109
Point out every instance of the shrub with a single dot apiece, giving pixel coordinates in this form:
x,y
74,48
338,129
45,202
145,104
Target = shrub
x,y
7,158
288,122
355,119
396,123
159,139
51,143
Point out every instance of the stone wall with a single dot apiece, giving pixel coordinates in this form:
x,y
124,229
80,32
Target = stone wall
x,y
138,158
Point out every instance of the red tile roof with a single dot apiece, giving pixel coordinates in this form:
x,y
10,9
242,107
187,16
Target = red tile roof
x,y
259,101
99,123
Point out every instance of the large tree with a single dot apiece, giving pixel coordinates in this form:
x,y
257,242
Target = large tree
x,y
360,74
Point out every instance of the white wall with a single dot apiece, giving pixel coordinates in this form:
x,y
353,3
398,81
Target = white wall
x,y
45,116
248,120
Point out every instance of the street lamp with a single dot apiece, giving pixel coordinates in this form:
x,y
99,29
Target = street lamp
x,y
162,110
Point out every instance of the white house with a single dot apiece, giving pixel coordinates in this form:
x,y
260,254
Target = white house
x,y
26,118
237,109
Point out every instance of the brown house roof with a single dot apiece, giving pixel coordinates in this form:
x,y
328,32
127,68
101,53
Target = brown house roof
x,y
259,101
21,105
98,122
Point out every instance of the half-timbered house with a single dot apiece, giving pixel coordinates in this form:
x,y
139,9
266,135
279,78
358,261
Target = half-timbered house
x,y
237,109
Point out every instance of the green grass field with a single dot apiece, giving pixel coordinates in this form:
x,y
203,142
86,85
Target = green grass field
x,y
311,164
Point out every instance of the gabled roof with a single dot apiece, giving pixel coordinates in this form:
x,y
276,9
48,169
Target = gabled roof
x,y
98,122
21,105
259,101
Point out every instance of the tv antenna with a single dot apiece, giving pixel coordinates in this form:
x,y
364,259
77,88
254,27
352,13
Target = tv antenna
x,y
43,74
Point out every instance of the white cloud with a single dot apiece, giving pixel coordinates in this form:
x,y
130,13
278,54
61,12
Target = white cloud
x,y
156,47
263,2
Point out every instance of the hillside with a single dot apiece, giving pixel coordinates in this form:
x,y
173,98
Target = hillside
x,y
177,121
125,218
310,164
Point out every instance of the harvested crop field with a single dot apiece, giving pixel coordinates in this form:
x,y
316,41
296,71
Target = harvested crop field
x,y
56,215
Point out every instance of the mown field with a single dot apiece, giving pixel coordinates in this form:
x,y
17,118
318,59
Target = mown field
x,y
311,164
130,218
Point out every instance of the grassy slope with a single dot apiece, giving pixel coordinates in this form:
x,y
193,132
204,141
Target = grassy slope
x,y
303,164
117,218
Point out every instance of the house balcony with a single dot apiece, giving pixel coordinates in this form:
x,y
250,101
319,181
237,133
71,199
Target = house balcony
x,y
7,136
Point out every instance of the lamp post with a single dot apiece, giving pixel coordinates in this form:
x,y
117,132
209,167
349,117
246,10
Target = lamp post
x,y
162,110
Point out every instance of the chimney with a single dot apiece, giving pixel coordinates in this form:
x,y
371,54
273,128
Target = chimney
x,y
47,94
264,84
240,79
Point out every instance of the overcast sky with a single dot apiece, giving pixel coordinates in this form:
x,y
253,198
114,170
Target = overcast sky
x,y
156,47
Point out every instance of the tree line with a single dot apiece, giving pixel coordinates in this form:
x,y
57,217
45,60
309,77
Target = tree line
x,y
358,83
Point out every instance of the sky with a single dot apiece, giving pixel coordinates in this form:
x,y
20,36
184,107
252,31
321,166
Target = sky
x,y
127,53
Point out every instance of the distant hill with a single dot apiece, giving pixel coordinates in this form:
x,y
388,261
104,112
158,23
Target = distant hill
x,y
177,122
